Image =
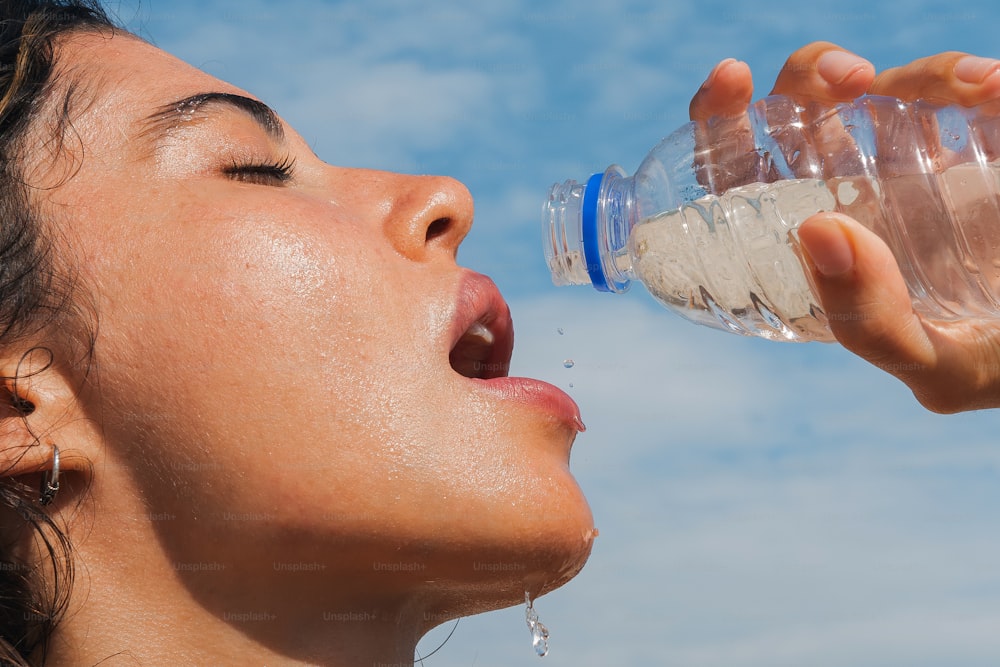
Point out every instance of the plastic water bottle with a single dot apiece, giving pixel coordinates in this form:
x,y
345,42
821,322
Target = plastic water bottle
x,y
708,221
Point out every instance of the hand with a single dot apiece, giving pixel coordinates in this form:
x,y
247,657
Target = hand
x,y
949,366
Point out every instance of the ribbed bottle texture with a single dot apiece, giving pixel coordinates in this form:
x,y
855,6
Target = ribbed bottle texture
x,y
707,223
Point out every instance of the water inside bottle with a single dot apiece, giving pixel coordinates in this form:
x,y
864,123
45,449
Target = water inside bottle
x,y
729,260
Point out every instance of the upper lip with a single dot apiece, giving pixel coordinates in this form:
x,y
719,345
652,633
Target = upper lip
x,y
482,334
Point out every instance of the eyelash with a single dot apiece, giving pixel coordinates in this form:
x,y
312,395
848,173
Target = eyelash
x,y
261,173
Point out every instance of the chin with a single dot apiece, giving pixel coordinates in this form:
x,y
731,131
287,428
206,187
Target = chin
x,y
562,544
499,589
534,553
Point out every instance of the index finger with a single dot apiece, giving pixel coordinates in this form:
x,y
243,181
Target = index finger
x,y
726,91
719,111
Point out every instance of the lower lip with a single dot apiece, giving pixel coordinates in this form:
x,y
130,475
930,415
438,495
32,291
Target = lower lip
x,y
537,394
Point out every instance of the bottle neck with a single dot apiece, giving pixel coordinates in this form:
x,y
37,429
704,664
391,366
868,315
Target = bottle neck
x,y
587,231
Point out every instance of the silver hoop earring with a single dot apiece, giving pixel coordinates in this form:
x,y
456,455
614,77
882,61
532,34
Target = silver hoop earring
x,y
50,481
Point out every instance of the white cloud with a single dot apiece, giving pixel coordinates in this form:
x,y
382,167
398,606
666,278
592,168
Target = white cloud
x,y
385,114
374,85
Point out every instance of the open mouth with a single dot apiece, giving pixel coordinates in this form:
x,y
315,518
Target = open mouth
x,y
480,344
474,354
484,341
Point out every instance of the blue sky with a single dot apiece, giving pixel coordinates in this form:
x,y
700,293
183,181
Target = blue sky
x,y
760,504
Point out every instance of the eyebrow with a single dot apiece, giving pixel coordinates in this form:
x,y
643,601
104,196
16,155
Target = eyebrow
x,y
170,115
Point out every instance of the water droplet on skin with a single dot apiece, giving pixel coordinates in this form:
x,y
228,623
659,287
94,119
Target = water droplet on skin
x,y
569,363
539,633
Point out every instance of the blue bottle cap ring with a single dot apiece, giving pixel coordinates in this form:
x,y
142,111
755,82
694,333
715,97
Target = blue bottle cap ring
x,y
591,243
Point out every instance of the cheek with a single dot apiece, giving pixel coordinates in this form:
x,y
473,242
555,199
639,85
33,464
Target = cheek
x,y
293,346
237,317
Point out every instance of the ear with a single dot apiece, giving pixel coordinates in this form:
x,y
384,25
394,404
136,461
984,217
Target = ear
x,y
37,408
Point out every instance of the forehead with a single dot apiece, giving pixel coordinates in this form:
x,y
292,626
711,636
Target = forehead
x,y
124,78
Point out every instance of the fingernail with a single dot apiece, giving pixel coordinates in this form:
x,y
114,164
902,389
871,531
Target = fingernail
x,y
715,71
836,66
973,69
827,245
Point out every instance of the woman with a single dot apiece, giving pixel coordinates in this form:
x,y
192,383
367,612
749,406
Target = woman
x,y
254,391
283,424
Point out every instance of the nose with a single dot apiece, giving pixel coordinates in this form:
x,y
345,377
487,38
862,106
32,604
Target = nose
x,y
427,215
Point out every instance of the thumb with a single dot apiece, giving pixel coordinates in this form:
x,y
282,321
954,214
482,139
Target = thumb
x,y
864,296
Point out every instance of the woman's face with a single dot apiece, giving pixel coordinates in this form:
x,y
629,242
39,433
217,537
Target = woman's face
x,y
282,354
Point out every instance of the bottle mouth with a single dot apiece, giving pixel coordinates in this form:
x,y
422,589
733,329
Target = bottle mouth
x,y
580,247
562,234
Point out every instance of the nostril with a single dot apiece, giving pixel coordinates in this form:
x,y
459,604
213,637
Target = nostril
x,y
437,228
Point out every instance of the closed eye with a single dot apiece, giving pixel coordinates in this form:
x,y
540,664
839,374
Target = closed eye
x,y
261,173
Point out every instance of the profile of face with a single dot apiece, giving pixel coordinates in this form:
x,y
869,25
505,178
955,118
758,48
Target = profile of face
x,y
300,405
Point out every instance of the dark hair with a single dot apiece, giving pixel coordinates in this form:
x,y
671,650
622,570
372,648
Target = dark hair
x,y
35,301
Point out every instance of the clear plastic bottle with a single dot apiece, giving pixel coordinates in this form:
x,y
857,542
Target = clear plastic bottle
x,y
708,221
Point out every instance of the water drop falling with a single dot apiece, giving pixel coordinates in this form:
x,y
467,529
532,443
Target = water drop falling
x,y
539,633
569,363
